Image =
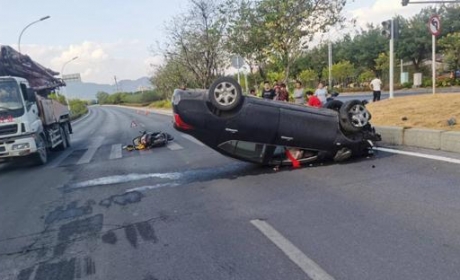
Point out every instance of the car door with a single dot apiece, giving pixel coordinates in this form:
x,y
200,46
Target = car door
x,y
309,128
257,122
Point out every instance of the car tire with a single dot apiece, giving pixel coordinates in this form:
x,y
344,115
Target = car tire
x,y
225,94
354,116
334,105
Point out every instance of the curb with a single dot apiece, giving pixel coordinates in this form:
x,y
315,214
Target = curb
x,y
81,118
443,140
156,111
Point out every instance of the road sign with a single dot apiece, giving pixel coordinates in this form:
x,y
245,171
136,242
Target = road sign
x,y
237,61
435,25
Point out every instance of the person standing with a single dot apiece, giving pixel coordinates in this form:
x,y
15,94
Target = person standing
x,y
376,87
284,94
321,93
299,97
268,92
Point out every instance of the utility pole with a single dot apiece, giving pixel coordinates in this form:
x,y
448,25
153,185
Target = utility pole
x,y
116,83
389,32
330,63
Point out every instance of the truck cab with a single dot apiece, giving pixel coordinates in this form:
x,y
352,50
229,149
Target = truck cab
x,y
30,124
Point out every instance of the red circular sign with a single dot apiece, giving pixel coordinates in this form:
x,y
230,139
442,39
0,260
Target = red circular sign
x,y
435,25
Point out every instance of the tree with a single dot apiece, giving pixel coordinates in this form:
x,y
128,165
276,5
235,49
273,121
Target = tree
x,y
173,74
341,71
414,43
196,41
292,23
102,97
450,44
308,77
59,98
246,34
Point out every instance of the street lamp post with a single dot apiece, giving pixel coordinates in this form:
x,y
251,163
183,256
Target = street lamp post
x,y
20,35
62,76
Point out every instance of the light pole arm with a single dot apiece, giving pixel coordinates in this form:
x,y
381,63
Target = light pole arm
x,y
20,35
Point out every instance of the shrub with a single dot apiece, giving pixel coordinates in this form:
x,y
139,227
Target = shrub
x,y
407,85
164,104
427,83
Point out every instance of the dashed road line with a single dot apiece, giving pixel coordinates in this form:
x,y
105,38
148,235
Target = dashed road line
x,y
312,269
174,146
439,158
89,154
115,153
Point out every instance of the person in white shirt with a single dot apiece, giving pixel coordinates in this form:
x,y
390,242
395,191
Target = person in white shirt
x,y
321,93
376,87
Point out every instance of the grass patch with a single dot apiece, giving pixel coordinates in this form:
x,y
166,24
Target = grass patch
x,y
421,111
162,104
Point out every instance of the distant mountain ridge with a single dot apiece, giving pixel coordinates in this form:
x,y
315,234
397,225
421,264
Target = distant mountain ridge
x,y
88,91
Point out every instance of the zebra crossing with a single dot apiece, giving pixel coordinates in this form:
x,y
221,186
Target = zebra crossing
x,y
96,150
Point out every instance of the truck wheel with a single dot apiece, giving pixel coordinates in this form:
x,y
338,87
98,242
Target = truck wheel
x,y
41,157
67,135
64,143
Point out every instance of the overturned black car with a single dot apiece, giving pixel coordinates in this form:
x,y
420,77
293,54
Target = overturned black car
x,y
271,132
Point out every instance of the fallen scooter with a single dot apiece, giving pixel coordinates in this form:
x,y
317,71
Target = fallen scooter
x,y
149,140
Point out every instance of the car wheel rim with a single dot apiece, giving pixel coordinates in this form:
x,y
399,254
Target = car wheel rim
x,y
225,94
359,115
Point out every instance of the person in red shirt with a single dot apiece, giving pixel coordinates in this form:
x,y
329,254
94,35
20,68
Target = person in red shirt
x,y
313,101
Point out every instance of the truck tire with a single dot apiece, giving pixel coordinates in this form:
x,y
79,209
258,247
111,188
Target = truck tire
x,y
41,156
67,134
64,143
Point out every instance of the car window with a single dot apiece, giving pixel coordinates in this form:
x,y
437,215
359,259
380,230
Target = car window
x,y
248,150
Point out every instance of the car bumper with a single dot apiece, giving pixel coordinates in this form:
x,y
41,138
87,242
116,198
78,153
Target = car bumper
x,y
17,147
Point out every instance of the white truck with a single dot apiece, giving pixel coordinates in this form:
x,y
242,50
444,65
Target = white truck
x,y
31,124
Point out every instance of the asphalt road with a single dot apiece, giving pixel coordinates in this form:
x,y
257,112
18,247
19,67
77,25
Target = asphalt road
x,y
186,212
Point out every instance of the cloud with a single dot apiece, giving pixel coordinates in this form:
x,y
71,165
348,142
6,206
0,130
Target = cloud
x,y
382,10
97,62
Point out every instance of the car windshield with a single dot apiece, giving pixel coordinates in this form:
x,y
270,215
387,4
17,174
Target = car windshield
x,y
10,96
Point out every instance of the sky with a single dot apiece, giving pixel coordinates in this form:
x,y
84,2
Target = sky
x,y
119,37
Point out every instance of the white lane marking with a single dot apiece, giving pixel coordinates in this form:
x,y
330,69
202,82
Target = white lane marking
x,y
174,146
191,138
115,152
440,158
141,124
57,161
313,270
144,188
88,155
118,179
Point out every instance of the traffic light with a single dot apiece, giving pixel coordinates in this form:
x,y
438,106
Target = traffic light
x,y
387,28
395,29
386,25
405,2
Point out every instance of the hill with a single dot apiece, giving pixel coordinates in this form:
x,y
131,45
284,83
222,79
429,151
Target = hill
x,y
87,91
